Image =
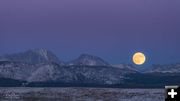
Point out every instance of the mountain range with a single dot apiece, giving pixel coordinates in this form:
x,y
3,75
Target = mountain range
x,y
40,67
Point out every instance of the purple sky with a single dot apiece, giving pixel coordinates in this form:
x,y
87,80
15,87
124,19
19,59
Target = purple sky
x,y
111,29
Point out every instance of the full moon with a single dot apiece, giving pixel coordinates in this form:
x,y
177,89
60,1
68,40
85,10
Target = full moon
x,y
139,58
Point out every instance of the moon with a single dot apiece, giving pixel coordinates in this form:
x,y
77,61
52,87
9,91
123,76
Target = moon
x,y
139,58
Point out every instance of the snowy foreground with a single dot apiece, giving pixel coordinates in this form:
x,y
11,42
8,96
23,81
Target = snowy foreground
x,y
80,94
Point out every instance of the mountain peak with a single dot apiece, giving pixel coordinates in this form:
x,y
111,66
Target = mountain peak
x,y
90,60
85,55
32,56
42,52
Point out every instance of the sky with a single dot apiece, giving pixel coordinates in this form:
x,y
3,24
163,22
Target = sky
x,y
111,29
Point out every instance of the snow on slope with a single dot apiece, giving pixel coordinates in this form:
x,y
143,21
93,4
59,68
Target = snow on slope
x,y
171,68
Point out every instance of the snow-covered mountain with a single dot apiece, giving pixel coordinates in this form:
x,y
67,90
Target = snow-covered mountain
x,y
32,57
45,72
43,66
170,68
89,60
